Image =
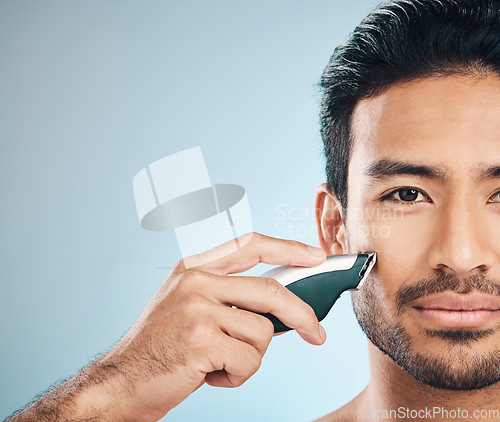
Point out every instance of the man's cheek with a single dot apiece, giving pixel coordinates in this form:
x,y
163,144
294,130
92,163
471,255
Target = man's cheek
x,y
369,225
400,245
363,234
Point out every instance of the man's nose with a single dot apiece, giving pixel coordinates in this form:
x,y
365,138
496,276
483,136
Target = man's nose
x,y
462,241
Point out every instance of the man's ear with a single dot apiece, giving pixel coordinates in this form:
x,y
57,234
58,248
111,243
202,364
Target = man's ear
x,y
330,222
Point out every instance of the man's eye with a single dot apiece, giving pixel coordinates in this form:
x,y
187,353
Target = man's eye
x,y
408,195
495,197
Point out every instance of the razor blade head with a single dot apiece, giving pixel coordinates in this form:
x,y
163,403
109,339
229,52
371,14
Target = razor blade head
x,y
371,259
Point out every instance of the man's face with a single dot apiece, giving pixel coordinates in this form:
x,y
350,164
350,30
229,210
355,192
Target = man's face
x,y
424,193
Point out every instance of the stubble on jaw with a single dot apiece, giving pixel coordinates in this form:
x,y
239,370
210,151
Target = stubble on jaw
x,y
454,367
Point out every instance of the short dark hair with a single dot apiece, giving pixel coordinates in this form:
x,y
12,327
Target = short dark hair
x,y
399,41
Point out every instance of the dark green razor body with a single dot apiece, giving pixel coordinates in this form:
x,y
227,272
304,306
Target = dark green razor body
x,y
321,290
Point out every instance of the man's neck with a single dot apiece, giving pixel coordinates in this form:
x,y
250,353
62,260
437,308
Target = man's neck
x,y
391,388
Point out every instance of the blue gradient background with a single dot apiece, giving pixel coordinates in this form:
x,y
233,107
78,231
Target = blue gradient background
x,y
90,93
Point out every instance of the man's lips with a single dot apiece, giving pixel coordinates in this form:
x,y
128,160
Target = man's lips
x,y
453,310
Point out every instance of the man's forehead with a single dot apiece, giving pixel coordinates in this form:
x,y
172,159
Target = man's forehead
x,y
455,96
443,121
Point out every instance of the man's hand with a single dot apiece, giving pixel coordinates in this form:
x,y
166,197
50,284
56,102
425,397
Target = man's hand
x,y
201,326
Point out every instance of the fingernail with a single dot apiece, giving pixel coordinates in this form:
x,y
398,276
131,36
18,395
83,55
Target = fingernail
x,y
322,333
316,251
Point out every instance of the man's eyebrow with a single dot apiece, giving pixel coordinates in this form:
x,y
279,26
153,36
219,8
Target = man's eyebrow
x,y
386,168
483,172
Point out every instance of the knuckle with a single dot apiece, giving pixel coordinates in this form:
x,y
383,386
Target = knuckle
x,y
239,381
189,278
267,328
254,362
246,238
311,313
311,316
299,245
273,288
305,310
194,306
254,236
179,267
201,329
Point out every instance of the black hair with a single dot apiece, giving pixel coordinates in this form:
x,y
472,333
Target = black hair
x,y
399,41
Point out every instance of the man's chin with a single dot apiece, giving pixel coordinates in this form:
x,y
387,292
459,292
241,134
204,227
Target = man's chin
x,y
456,360
460,360
452,359
458,369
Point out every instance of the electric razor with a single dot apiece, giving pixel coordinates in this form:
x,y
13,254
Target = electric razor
x,y
321,286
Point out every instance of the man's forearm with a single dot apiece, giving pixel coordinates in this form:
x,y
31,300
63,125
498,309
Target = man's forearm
x,y
91,395
61,403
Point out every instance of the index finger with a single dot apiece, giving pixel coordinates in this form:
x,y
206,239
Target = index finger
x,y
247,251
